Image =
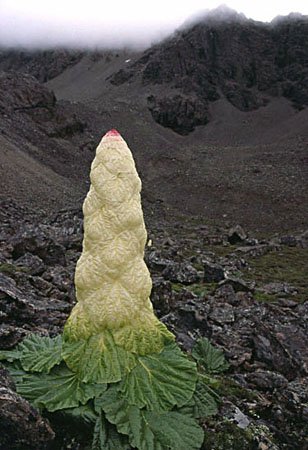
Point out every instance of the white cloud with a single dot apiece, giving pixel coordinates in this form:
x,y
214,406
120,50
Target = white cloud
x,y
114,22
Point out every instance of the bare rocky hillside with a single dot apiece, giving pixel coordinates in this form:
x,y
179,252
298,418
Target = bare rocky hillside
x,y
215,115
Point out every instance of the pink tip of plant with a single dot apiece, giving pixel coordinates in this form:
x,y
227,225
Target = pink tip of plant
x,y
113,133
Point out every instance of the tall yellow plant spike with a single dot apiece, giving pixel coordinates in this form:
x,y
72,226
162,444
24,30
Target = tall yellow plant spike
x,y
112,281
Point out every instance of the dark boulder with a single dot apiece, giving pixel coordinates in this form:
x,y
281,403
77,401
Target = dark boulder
x,y
10,335
222,313
236,234
31,264
213,273
156,261
283,348
161,296
226,294
34,239
181,273
14,306
23,311
180,113
238,284
21,426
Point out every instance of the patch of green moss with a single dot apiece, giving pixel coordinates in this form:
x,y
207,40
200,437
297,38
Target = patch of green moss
x,y
177,287
202,289
222,250
228,436
10,269
199,289
286,265
198,266
263,297
229,388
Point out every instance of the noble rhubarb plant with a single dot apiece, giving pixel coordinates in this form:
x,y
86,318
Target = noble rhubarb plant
x,y
116,364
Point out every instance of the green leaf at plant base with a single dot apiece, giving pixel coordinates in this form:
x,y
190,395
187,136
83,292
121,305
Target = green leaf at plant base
x,y
16,372
148,430
40,353
36,353
98,359
57,390
161,380
10,355
106,436
205,401
174,430
209,357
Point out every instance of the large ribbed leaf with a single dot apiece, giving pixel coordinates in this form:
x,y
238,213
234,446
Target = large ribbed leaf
x,y
148,430
205,400
59,389
16,372
106,436
40,353
160,380
36,353
173,431
98,359
10,355
211,358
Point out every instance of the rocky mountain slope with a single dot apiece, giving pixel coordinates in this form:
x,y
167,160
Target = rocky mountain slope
x,y
43,65
240,85
46,146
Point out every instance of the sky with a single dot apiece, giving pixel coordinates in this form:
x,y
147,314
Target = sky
x,y
115,23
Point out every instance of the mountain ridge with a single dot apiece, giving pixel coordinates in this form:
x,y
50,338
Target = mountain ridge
x,y
243,161
245,62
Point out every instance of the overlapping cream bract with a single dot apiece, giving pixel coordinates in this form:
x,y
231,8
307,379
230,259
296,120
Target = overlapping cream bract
x,y
112,281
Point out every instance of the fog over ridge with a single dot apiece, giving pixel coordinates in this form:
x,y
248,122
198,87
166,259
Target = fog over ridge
x,y
117,23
